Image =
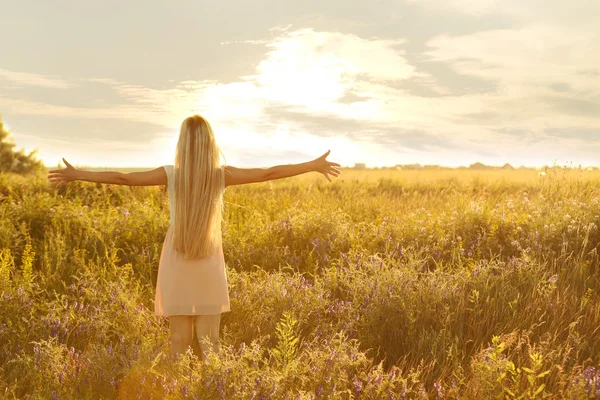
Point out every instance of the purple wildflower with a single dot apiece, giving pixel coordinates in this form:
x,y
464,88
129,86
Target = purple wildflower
x,y
358,386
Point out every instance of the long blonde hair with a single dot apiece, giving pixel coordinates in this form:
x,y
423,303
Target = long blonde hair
x,y
199,186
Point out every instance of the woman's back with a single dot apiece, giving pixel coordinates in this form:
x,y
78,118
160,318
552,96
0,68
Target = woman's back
x,y
170,170
189,287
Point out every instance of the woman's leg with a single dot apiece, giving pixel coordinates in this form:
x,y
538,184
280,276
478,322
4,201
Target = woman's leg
x,y
208,326
181,334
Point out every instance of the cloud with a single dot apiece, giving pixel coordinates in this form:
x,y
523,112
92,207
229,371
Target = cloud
x,y
544,75
476,8
314,69
533,54
581,134
391,135
123,112
559,11
320,89
25,78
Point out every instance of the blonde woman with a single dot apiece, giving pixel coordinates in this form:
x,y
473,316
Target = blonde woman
x,y
191,289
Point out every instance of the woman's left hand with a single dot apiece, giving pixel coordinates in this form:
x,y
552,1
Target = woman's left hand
x,y
63,176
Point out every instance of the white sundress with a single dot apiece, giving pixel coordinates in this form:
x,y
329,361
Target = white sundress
x,y
189,287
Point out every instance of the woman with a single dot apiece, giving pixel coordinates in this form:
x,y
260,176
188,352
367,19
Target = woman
x,y
191,289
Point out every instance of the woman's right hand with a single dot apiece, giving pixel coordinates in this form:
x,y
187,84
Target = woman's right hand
x,y
63,176
326,167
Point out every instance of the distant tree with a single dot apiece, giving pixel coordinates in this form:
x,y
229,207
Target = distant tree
x,y
410,166
478,165
16,161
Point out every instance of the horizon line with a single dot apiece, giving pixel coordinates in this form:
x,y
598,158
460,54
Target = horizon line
x,y
359,166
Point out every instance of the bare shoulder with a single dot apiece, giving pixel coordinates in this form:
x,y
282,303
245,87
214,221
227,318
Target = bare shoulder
x,y
230,172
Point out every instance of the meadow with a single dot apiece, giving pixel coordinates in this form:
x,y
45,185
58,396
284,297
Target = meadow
x,y
380,285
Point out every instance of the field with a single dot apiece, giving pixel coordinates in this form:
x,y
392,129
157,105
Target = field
x,y
380,285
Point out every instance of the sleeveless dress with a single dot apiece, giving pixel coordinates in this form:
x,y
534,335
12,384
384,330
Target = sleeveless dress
x,y
189,287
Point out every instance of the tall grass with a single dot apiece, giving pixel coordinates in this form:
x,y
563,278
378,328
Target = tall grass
x,y
381,285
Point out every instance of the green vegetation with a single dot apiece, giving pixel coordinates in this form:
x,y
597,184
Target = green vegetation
x,y
16,161
394,284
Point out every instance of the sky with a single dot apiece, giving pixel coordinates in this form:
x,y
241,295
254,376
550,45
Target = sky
x,y
381,82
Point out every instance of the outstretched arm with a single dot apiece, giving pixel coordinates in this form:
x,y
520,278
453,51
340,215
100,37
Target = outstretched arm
x,y
241,176
154,177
